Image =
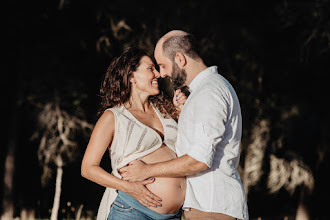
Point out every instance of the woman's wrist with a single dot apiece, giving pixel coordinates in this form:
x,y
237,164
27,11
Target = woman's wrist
x,y
125,186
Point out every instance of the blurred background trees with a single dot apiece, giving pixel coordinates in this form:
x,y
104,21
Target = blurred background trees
x,y
275,54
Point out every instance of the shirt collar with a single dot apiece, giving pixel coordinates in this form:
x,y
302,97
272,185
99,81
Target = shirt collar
x,y
201,76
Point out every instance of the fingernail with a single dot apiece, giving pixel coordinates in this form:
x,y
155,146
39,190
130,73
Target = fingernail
x,y
152,178
176,95
159,200
160,205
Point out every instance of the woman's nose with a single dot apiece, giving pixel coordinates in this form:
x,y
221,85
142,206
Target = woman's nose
x,y
157,74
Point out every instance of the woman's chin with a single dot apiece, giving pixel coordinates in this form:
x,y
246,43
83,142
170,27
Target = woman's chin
x,y
156,92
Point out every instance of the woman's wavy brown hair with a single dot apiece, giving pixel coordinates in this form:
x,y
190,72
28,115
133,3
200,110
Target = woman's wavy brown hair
x,y
116,86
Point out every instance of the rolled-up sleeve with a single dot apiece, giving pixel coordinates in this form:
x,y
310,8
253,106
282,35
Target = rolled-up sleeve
x,y
209,121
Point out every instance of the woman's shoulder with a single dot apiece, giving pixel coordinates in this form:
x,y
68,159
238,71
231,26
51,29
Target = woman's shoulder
x,y
115,109
120,113
105,124
107,116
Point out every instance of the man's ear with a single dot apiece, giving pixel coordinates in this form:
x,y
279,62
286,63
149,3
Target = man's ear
x,y
180,59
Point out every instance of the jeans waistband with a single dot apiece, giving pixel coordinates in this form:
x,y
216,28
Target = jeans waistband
x,y
129,200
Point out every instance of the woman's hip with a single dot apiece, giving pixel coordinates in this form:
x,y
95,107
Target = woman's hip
x,y
120,210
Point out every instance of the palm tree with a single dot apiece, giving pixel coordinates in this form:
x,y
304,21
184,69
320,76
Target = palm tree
x,y
283,173
59,134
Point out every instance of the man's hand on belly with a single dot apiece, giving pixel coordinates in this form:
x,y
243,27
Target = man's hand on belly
x,y
139,191
135,171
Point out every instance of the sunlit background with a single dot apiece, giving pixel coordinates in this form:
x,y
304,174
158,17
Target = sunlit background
x,y
274,53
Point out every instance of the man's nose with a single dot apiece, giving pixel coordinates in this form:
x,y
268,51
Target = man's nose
x,y
163,73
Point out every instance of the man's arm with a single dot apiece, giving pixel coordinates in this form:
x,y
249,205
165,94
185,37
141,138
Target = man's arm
x,y
179,167
208,133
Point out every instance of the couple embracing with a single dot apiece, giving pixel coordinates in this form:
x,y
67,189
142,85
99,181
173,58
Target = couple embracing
x,y
170,158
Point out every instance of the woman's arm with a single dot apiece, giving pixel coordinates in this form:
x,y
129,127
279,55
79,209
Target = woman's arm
x,y
100,140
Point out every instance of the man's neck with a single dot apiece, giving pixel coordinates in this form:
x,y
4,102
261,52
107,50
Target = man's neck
x,y
195,69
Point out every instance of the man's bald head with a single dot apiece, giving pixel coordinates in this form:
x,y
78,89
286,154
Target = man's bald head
x,y
178,41
172,34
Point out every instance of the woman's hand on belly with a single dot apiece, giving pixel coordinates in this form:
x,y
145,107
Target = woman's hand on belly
x,y
139,191
171,190
136,170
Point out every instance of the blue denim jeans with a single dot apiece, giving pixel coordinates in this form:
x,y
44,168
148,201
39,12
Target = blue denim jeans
x,y
121,211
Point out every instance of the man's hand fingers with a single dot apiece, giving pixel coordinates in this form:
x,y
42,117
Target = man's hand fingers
x,y
123,169
132,162
134,171
124,177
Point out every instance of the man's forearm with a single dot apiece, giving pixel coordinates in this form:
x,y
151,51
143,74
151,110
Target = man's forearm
x,y
179,167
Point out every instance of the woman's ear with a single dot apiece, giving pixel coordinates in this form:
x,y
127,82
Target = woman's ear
x,y
180,59
132,80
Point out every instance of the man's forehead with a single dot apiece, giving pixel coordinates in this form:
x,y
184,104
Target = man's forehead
x,y
158,48
160,58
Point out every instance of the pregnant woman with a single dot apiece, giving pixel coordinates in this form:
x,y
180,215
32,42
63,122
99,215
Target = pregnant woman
x,y
136,122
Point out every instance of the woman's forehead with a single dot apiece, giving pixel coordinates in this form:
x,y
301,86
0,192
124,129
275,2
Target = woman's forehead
x,y
146,61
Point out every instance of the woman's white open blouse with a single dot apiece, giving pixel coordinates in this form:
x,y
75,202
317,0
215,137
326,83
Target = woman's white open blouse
x,y
133,140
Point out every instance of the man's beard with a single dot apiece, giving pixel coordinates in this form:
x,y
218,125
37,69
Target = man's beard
x,y
179,77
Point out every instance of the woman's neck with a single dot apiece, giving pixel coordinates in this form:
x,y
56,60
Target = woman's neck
x,y
138,103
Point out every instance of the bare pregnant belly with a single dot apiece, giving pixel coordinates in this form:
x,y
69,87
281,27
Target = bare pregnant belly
x,y
171,190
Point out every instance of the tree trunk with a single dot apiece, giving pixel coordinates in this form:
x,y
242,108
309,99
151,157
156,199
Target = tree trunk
x,y
255,155
9,171
302,209
28,214
57,196
79,211
302,212
7,202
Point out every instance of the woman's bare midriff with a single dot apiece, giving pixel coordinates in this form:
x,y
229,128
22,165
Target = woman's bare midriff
x,y
170,189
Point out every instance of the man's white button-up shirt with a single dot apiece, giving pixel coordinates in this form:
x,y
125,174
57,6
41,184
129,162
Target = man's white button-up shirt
x,y
209,130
